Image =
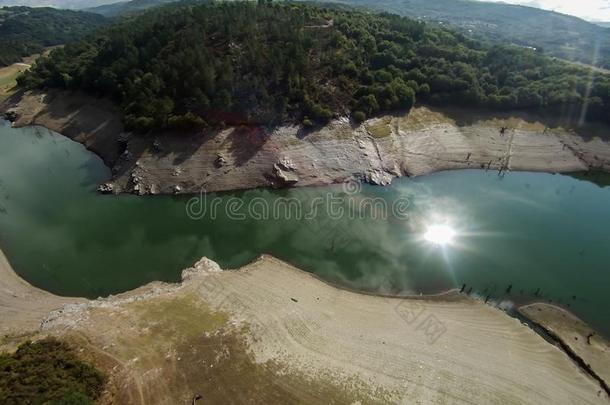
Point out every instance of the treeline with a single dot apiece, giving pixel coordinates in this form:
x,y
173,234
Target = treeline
x,y
25,31
188,66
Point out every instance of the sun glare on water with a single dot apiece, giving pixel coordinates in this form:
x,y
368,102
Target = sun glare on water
x,y
440,235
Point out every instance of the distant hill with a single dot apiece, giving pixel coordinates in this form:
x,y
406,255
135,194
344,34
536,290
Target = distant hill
x,y
61,4
560,35
104,7
24,30
126,7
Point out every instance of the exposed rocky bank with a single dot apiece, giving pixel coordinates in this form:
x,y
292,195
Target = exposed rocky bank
x,y
380,149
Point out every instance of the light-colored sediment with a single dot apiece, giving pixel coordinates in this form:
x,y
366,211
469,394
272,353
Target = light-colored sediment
x,y
22,306
380,149
587,344
270,333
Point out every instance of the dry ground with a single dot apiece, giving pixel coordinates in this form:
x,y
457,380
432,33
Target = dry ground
x,y
270,333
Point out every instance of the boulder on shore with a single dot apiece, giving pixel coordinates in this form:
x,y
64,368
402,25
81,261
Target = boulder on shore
x,y
378,178
286,177
106,188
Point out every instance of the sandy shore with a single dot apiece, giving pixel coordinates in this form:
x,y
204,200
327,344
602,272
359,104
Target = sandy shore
x,y
22,306
270,333
377,151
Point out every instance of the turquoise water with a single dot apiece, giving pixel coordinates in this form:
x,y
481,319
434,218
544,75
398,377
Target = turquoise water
x,y
518,238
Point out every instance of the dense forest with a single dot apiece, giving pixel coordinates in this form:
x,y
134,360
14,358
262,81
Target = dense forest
x,y
560,35
186,66
48,372
25,31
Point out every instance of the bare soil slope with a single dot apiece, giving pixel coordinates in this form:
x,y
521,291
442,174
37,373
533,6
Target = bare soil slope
x,y
380,149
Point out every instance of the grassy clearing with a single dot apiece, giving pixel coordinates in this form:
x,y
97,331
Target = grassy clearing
x,y
8,74
182,318
422,117
177,348
10,342
8,79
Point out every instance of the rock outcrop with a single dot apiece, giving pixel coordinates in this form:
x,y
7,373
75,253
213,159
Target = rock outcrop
x,y
420,142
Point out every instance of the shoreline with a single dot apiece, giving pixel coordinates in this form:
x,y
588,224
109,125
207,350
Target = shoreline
x,y
424,141
577,339
23,306
291,315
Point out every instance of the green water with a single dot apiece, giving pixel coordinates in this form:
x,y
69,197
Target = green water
x,y
533,231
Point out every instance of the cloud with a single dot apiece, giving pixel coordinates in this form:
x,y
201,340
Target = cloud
x,y
594,10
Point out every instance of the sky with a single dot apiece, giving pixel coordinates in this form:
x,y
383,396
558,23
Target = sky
x,y
593,10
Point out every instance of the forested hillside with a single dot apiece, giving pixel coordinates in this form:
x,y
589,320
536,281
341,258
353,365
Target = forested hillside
x,y
188,66
24,30
560,35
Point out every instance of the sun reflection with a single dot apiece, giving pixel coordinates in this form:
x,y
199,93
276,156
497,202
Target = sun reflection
x,y
440,235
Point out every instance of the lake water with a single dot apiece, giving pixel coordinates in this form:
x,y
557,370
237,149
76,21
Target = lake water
x,y
518,238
